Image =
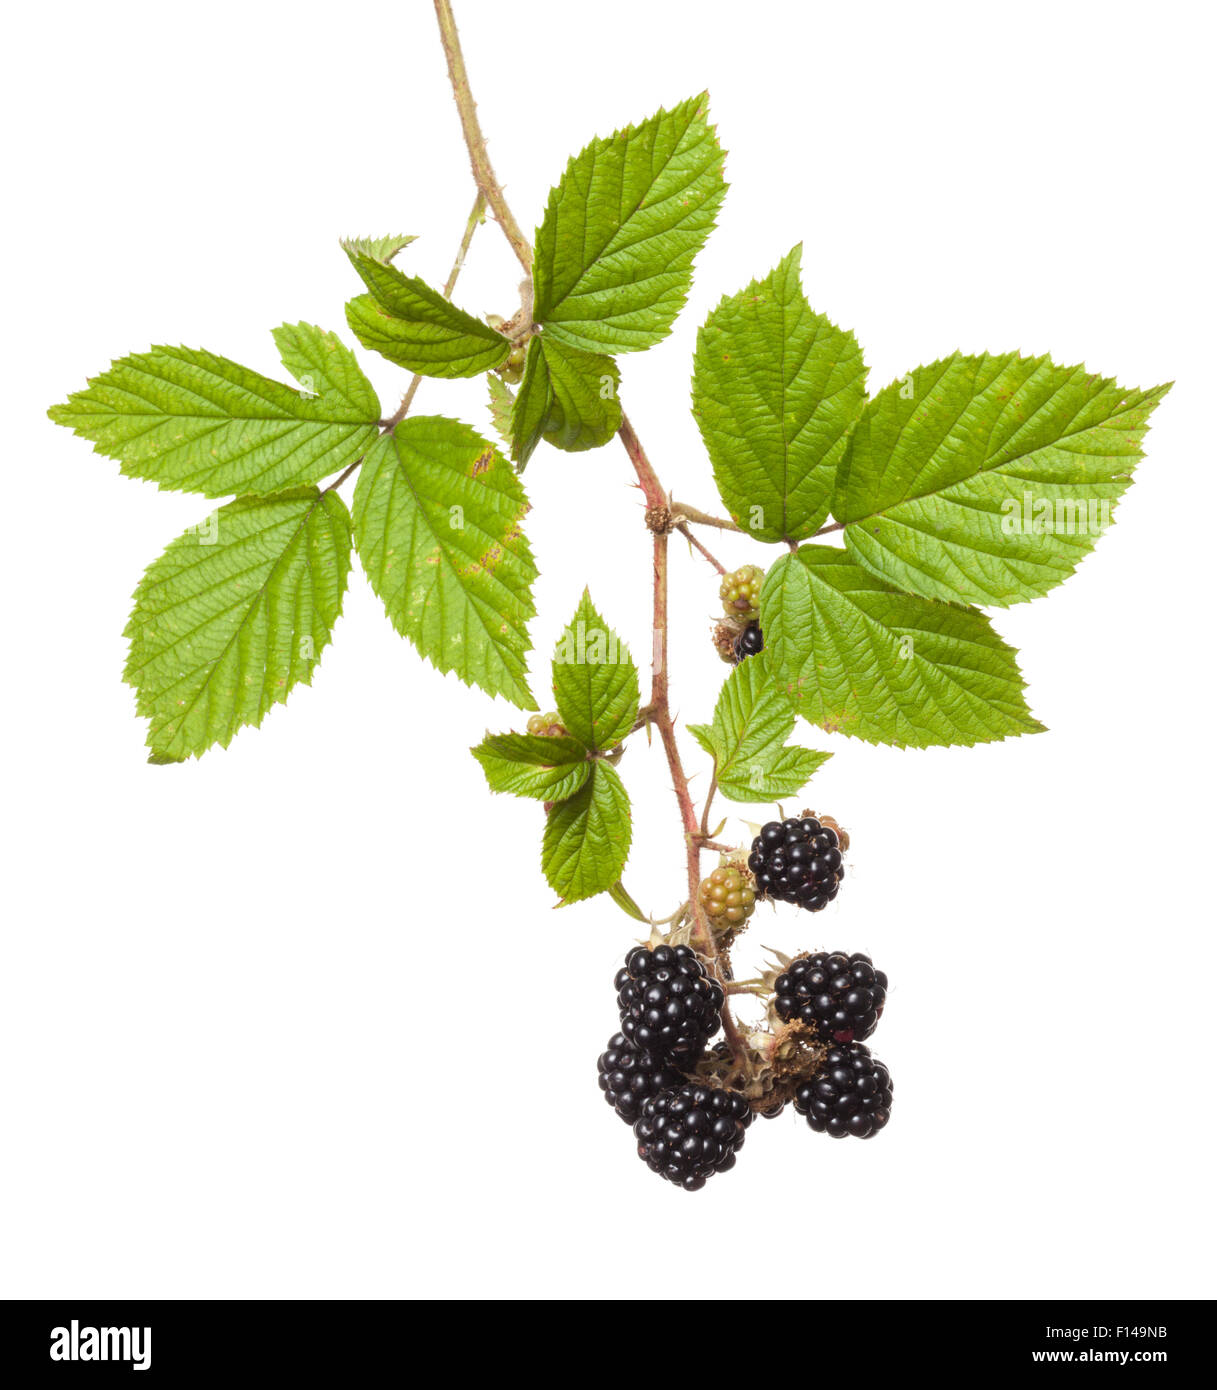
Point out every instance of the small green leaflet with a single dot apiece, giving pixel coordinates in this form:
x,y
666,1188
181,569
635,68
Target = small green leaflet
x,y
587,838
195,422
858,657
437,515
595,680
584,408
614,252
567,397
776,388
530,409
411,324
988,479
235,613
382,248
747,740
502,400
546,767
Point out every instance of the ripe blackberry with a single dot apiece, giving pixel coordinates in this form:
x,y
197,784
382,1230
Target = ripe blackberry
x,y
740,592
629,1077
727,897
689,1135
840,996
750,642
669,1005
852,1094
797,861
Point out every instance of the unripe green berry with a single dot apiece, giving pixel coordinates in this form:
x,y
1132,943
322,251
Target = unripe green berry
x,y
727,898
740,592
546,725
512,371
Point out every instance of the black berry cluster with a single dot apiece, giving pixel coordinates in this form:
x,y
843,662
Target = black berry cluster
x,y
840,996
750,642
629,1077
797,861
668,1003
692,1133
850,1095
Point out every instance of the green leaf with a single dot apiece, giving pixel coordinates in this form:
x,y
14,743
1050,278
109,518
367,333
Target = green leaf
x,y
502,400
382,248
595,680
547,767
437,516
776,388
988,479
326,369
587,837
584,408
195,422
858,657
235,613
530,410
567,397
627,904
747,740
614,253
411,324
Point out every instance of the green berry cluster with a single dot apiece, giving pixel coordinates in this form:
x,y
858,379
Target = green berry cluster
x,y
727,897
740,592
548,725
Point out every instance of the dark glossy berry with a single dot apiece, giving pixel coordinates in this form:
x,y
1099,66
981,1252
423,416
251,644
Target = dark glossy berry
x,y
669,1005
840,996
629,1077
750,642
797,860
851,1095
690,1134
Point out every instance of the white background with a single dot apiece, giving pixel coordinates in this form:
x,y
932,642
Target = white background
x,y
298,1019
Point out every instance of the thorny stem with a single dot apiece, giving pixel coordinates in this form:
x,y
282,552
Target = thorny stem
x,y
700,518
683,528
682,512
659,713
475,141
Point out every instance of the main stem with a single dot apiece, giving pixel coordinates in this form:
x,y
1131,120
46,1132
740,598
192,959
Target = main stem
x,y
475,141
658,510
